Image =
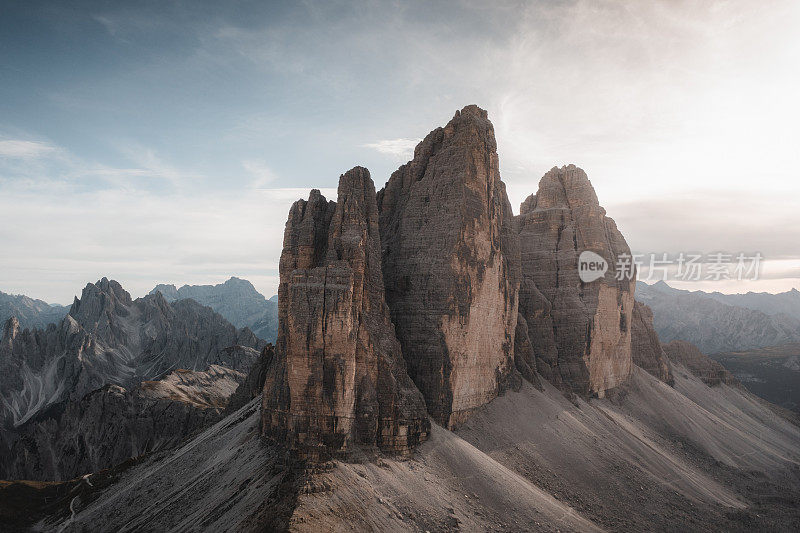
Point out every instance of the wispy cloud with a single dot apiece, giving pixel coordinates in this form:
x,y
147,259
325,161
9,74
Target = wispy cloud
x,y
261,174
708,221
41,165
20,149
150,164
401,149
111,26
652,99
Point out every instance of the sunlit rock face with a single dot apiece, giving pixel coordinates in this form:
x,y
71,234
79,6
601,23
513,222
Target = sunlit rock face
x,y
646,349
580,331
451,266
338,376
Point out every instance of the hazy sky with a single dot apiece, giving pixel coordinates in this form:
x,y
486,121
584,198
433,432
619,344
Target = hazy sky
x,y
165,141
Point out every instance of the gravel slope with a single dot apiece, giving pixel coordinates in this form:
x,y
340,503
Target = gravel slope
x,y
650,457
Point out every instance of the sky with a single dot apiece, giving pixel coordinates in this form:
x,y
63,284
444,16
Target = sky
x,y
163,142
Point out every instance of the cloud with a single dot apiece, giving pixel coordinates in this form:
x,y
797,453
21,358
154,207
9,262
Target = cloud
x,y
41,166
25,149
401,149
652,99
150,165
649,95
707,221
110,26
141,238
261,173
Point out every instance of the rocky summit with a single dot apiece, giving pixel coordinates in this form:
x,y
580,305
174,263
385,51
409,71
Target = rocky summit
x,y
451,266
476,297
580,331
338,377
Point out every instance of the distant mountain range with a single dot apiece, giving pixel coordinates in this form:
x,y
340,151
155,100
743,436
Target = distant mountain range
x,y
755,336
236,299
30,313
784,303
108,339
716,322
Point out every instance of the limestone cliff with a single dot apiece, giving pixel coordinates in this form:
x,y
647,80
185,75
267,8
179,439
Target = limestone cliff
x,y
580,331
338,376
451,266
253,384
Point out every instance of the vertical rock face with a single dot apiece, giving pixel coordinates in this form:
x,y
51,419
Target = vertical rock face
x,y
580,331
338,376
646,349
451,266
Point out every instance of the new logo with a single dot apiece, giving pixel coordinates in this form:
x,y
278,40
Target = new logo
x,y
591,266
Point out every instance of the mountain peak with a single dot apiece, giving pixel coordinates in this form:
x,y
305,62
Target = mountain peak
x,y
445,218
565,187
239,282
169,291
236,299
565,316
99,302
472,110
330,281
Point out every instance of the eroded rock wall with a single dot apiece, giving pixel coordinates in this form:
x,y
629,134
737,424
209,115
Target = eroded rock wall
x,y
451,266
338,376
580,332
